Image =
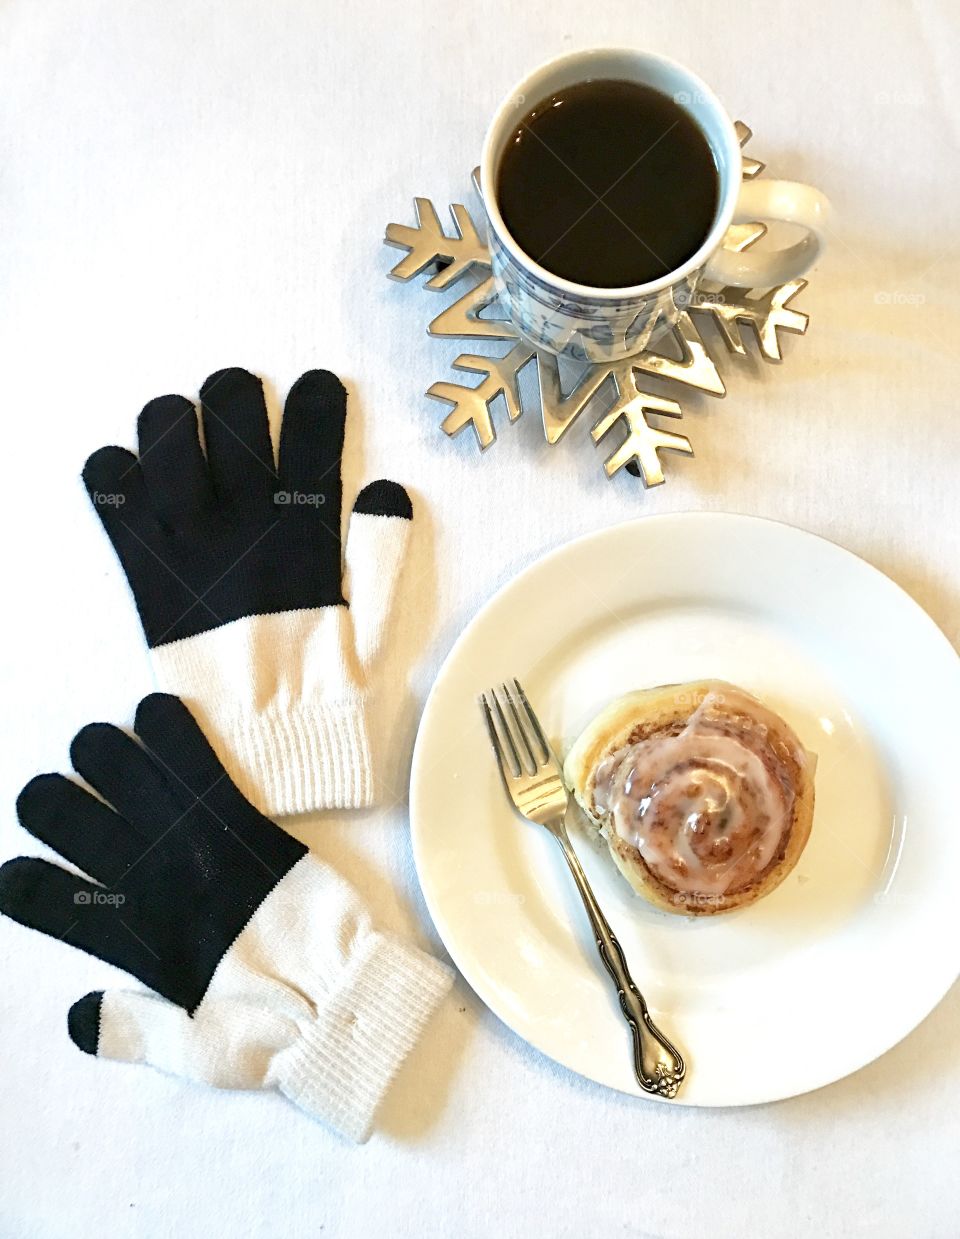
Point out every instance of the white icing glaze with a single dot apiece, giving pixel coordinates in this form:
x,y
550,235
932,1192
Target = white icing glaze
x,y
706,808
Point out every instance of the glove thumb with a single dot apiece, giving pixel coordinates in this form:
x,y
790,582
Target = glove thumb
x,y
133,1028
224,1044
377,541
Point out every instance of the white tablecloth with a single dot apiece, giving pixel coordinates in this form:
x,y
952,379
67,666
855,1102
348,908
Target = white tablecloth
x,y
187,185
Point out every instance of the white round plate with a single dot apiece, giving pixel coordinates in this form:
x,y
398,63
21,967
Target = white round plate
x,y
862,939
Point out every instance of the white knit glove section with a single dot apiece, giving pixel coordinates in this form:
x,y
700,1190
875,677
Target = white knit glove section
x,y
309,1000
282,697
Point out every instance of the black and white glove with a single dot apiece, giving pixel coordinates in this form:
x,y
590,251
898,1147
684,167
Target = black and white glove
x,y
235,566
268,972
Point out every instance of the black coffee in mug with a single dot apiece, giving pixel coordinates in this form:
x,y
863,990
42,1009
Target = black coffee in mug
x,y
608,184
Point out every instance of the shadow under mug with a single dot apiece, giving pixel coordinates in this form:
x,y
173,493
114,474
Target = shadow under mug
x,y
608,324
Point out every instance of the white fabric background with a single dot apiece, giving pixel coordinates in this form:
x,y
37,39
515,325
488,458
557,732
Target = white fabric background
x,y
188,185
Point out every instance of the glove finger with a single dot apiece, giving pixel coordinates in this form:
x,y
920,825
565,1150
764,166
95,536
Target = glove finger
x,y
377,541
171,733
229,1049
116,488
311,445
80,827
172,462
104,923
237,434
109,924
131,1028
169,730
128,778
42,896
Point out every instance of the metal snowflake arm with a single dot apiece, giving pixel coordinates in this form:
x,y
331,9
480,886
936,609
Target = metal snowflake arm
x,y
767,315
430,247
643,441
471,405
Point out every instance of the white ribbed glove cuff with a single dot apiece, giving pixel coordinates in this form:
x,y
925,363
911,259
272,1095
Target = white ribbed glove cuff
x,y
344,1061
282,701
302,759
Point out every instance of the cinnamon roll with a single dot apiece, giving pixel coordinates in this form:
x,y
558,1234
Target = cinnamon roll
x,y
703,795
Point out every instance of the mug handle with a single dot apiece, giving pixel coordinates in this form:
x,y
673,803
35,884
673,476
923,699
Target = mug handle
x,y
787,201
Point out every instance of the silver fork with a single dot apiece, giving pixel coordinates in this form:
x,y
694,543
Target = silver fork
x,y
533,779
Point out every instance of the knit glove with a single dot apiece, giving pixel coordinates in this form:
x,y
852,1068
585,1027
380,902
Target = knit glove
x,y
235,566
266,971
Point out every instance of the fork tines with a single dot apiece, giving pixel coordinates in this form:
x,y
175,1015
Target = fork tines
x,y
515,733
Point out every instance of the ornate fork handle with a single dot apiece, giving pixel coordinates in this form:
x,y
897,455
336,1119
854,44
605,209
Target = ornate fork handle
x,y
657,1064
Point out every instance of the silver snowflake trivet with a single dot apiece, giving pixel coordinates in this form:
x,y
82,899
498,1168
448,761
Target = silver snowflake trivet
x,y
614,391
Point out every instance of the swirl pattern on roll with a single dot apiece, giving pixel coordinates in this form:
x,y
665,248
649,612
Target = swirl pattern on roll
x,y
707,803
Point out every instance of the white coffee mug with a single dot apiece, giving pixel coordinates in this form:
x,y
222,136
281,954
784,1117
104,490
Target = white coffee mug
x,y
607,324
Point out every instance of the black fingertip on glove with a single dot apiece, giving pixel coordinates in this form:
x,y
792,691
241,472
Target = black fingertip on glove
x,y
384,498
83,1022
